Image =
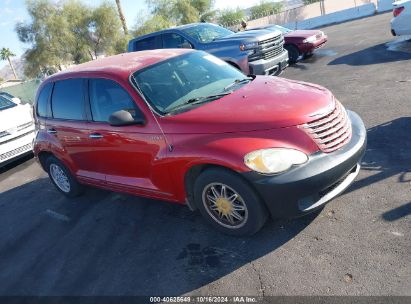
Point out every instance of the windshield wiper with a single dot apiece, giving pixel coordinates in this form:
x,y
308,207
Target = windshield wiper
x,y
238,81
197,100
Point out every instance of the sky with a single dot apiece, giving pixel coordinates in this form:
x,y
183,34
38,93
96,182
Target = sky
x,y
13,11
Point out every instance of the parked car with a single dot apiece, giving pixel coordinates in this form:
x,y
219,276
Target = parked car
x,y
400,24
186,127
16,129
257,52
11,97
299,42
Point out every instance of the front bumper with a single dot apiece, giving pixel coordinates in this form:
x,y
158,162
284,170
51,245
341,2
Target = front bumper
x,y
311,47
306,188
271,66
16,147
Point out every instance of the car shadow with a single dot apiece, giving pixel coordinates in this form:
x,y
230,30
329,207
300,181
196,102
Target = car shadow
x,y
105,243
388,153
373,55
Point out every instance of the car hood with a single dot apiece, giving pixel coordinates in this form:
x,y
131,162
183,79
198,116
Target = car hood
x,y
265,103
256,34
302,33
16,116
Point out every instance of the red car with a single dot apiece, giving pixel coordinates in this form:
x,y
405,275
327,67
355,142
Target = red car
x,y
184,126
299,42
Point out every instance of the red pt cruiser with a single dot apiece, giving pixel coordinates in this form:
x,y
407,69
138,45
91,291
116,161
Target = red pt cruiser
x,y
184,126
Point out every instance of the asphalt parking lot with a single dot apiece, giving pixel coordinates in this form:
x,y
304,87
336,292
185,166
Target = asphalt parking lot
x,y
106,243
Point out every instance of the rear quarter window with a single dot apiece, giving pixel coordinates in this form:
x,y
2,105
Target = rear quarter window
x,y
149,43
42,100
67,101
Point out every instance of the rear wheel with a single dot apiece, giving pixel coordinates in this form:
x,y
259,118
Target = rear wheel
x,y
228,203
61,177
293,53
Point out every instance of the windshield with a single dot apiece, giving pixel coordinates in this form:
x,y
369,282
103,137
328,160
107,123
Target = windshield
x,y
187,80
284,30
6,103
206,32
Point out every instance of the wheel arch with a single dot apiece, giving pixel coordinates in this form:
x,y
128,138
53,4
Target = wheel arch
x,y
194,171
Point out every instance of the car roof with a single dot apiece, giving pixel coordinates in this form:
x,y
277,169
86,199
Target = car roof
x,y
121,65
171,29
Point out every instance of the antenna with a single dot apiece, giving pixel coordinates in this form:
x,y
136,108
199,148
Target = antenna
x,y
134,83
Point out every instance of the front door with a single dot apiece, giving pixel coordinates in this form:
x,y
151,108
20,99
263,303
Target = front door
x,y
127,154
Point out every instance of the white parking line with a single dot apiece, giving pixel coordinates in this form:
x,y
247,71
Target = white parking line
x,y
58,216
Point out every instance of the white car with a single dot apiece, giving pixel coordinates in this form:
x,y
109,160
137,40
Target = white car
x,y
401,23
16,129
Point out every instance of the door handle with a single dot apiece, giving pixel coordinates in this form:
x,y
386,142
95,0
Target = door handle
x,y
51,131
96,136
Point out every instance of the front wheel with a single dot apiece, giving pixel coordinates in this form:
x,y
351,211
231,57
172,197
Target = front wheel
x,y
228,203
293,53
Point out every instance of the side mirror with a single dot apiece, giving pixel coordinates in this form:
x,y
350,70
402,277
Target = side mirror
x,y
186,45
124,118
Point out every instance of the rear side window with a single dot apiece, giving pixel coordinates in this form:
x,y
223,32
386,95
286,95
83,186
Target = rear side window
x,y
68,99
107,97
149,43
42,101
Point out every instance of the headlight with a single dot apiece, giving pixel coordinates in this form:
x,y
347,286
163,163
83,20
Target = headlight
x,y
274,160
310,39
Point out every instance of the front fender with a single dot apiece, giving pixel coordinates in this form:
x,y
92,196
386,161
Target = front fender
x,y
228,150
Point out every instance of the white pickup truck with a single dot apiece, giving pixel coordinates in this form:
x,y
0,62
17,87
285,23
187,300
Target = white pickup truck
x,y
16,129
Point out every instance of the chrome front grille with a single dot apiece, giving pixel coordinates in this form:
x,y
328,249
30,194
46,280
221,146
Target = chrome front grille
x,y
268,48
332,131
274,52
269,41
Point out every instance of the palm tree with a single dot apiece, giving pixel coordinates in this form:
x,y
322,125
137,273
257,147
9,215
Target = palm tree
x,y
5,54
122,18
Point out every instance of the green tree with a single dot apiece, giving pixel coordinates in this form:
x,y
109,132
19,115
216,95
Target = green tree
x,y
6,54
265,8
230,17
67,32
306,2
153,24
182,11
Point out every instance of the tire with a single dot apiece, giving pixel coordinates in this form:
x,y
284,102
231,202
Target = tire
x,y
217,211
68,185
308,55
293,53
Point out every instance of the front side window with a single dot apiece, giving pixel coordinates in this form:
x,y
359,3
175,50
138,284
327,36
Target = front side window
x,y
5,103
206,33
185,80
173,41
42,100
68,99
107,97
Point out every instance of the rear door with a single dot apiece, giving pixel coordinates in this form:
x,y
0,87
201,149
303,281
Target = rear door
x,y
68,128
149,43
